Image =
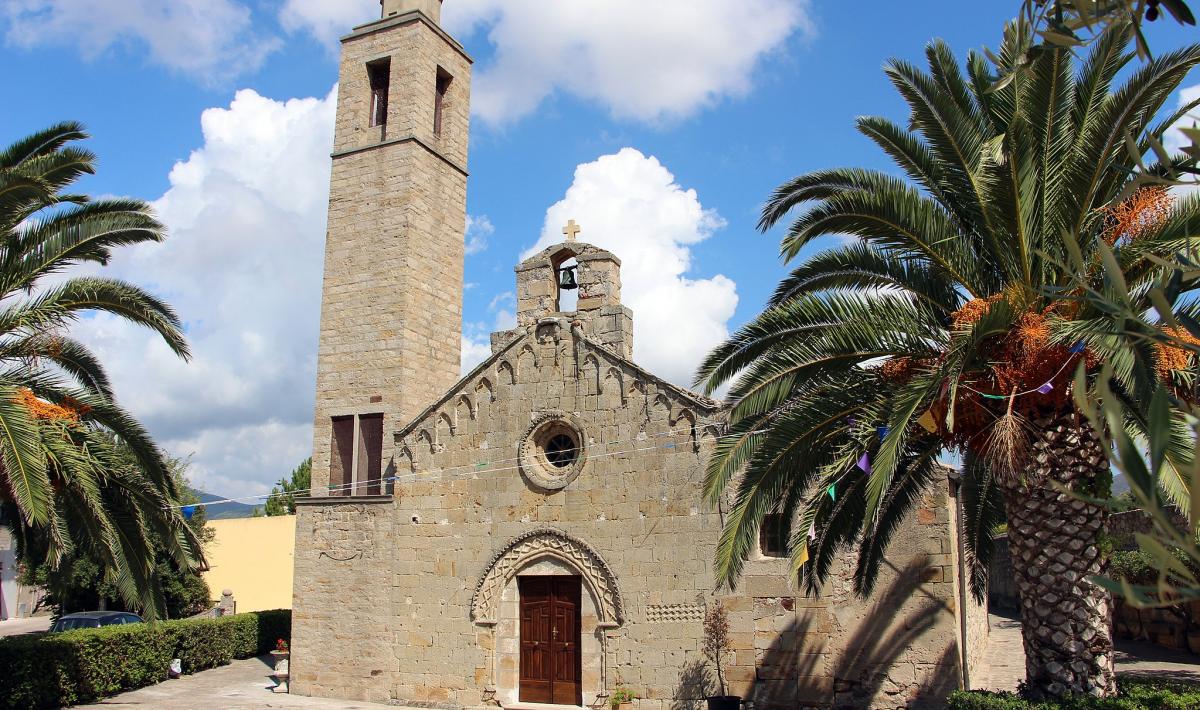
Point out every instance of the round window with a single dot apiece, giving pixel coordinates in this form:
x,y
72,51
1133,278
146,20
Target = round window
x,y
552,452
560,451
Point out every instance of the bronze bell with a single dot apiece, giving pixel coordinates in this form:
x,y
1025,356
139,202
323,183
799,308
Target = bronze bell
x,y
566,279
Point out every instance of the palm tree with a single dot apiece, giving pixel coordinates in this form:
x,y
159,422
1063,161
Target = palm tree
x,y
949,324
63,487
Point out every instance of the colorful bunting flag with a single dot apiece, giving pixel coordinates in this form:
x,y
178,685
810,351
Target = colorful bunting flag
x,y
189,511
865,463
928,422
883,431
812,531
802,557
1045,389
1077,348
832,491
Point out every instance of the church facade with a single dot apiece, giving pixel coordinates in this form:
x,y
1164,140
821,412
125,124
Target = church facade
x,y
534,531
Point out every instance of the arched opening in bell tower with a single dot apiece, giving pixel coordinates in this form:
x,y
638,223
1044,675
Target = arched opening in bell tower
x,y
566,281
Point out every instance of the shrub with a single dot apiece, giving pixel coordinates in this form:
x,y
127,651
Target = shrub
x,y
81,666
1134,695
1139,567
1133,565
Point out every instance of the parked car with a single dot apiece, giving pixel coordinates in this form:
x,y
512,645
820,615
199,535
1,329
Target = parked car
x,y
94,620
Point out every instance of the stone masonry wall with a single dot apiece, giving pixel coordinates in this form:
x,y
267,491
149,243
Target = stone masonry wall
x,y
386,592
391,309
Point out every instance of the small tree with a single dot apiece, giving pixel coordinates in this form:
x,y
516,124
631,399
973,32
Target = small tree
x,y
716,638
283,496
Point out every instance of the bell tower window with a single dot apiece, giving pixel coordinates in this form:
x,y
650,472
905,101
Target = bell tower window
x,y
380,75
356,455
566,284
439,100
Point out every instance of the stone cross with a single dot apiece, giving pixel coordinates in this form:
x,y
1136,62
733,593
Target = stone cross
x,y
571,230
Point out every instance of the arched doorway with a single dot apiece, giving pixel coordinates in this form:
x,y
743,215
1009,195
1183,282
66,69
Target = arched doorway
x,y
547,598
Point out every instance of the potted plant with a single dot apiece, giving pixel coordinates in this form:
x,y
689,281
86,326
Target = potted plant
x,y
622,699
282,654
716,644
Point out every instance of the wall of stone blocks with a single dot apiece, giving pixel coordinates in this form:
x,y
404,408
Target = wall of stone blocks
x,y
391,309
972,616
342,638
637,504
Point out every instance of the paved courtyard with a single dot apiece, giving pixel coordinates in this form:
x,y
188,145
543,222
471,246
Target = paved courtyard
x,y
16,627
243,685
1006,659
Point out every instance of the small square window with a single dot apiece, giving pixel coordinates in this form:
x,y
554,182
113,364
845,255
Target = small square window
x,y
772,536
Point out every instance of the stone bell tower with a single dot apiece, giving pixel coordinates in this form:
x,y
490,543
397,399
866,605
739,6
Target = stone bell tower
x,y
391,307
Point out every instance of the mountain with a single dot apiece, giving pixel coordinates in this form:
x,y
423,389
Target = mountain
x,y
217,511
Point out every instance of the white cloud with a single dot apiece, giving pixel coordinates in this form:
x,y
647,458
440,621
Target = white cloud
x,y
246,214
631,205
647,61
211,39
1174,139
476,347
327,20
478,230
476,337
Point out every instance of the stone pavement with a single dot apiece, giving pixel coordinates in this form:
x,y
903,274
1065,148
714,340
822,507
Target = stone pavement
x,y
241,685
1006,659
16,627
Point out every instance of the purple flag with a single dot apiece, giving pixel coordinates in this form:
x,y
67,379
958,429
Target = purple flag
x,y
1045,389
865,463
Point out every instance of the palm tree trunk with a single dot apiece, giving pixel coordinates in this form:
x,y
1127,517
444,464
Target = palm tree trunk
x,y
1054,540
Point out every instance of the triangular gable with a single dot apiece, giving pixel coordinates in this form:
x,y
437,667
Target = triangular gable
x,y
703,405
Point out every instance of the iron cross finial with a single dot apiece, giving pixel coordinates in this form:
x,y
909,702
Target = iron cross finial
x,y
571,230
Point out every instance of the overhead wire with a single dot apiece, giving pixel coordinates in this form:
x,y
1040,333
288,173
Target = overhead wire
x,y
476,469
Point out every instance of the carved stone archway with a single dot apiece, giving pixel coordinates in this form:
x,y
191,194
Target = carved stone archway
x,y
548,543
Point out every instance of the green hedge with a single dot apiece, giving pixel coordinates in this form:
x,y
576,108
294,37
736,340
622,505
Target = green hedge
x,y
81,666
1134,695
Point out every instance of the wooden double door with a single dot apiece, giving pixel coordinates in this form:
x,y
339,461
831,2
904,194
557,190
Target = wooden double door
x,y
551,668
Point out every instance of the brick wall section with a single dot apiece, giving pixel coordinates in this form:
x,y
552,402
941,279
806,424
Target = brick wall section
x,y
391,311
394,622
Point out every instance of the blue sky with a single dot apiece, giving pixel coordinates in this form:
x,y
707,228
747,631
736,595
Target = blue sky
x,y
719,102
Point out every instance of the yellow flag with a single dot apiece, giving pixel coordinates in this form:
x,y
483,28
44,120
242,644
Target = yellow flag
x,y
928,422
801,558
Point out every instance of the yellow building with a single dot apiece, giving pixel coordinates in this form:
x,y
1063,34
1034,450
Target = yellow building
x,y
253,558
